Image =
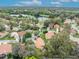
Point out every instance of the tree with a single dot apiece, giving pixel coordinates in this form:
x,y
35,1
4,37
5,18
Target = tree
x,y
19,51
59,45
2,28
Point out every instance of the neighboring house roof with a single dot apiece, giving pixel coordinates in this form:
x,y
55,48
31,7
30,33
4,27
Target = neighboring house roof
x,y
56,25
2,34
39,43
49,35
43,18
22,33
67,21
5,48
72,31
61,28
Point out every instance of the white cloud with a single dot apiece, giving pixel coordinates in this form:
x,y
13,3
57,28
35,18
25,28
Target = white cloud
x,y
31,2
68,0
37,2
64,0
28,3
56,4
17,5
75,0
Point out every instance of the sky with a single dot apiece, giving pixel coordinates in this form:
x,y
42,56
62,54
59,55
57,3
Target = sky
x,y
41,3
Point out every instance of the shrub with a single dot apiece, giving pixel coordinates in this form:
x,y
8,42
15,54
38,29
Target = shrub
x,y
2,28
18,51
59,45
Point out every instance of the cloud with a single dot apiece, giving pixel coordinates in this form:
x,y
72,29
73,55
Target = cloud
x,y
31,2
64,0
17,4
37,2
75,0
28,3
68,0
56,4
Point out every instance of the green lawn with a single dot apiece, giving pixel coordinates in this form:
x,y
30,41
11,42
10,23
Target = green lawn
x,y
7,37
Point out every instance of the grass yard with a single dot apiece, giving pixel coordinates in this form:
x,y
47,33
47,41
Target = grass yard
x,y
7,37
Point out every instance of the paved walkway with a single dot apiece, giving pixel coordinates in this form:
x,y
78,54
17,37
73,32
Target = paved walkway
x,y
7,41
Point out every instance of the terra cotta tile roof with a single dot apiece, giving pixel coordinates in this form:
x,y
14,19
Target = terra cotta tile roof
x,y
49,35
22,33
2,33
56,26
5,48
39,43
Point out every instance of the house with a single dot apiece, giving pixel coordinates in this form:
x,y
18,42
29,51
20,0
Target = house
x,y
49,35
61,29
74,39
43,18
67,21
2,34
18,35
57,27
14,15
39,43
2,41
72,31
5,48
21,34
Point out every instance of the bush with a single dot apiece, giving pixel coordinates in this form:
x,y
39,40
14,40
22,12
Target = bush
x,y
18,51
9,56
2,28
26,36
59,45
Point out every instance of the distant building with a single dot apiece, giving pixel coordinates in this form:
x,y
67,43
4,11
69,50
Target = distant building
x,y
43,18
14,15
67,21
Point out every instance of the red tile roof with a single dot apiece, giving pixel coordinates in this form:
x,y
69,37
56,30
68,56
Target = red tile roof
x,y
39,43
49,35
22,33
56,26
5,48
67,21
2,33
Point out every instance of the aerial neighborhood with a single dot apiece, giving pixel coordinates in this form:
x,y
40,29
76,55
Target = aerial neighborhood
x,y
39,33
